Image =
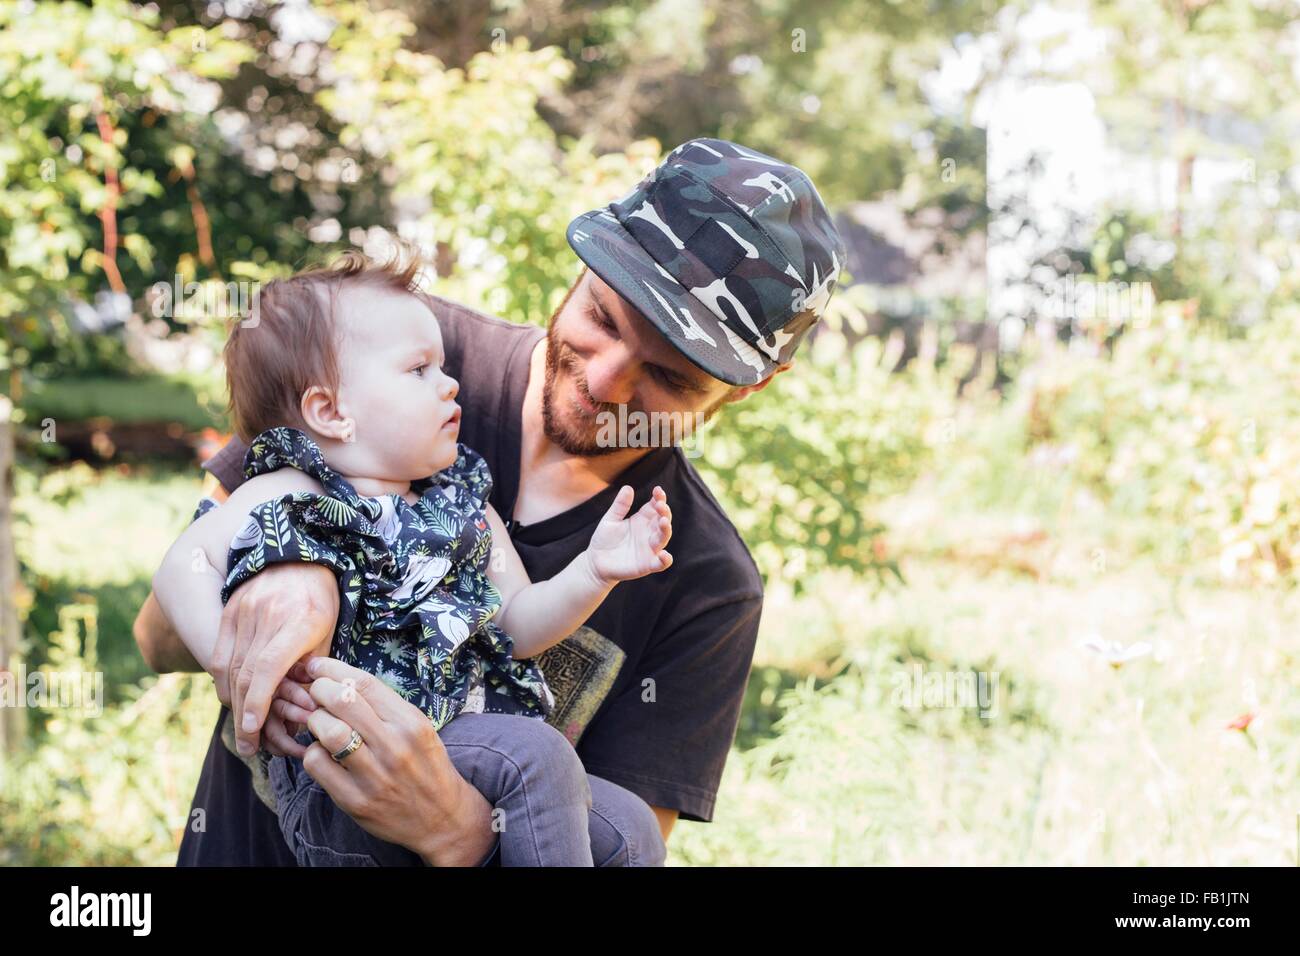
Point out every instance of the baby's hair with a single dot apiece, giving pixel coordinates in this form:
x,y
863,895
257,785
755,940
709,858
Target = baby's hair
x,y
293,344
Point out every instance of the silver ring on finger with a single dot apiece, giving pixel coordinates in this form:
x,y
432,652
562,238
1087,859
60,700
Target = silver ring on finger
x,y
354,744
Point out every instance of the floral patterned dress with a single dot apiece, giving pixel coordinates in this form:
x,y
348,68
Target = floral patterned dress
x,y
416,607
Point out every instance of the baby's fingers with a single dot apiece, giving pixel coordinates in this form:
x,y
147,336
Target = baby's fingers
x,y
660,532
277,739
649,511
295,693
660,499
289,711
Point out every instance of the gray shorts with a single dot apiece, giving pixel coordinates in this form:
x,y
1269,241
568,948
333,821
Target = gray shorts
x,y
547,810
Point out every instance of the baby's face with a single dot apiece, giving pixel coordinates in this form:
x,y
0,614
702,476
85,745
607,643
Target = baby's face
x,y
392,385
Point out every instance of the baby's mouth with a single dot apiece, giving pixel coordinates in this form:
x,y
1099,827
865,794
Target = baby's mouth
x,y
453,421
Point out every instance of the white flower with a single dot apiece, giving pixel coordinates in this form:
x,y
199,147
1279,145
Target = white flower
x,y
1264,502
1116,654
1233,555
423,571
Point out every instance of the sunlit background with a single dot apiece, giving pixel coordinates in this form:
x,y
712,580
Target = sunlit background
x,y
1026,508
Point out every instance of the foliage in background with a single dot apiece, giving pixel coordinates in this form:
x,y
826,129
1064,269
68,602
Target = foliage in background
x,y
1078,762
804,489
487,182
1209,86
1196,434
114,784
835,83
85,536
73,78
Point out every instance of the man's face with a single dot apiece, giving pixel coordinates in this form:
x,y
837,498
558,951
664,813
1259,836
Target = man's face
x,y
600,354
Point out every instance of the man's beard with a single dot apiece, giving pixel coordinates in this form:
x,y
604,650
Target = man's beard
x,y
573,438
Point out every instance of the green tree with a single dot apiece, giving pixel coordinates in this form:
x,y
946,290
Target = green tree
x,y
76,80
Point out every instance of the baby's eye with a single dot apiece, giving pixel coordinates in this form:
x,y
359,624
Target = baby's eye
x,y
419,370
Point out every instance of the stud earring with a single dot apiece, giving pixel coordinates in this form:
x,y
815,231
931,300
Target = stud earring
x,y
349,431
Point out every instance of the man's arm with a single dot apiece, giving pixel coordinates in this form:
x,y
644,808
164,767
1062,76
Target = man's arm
x,y
160,645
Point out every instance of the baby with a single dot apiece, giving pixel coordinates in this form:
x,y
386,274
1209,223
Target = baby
x,y
354,463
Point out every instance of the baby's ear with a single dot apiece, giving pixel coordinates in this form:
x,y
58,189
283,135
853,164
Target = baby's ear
x,y
320,413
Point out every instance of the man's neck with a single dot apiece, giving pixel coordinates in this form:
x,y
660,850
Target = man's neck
x,y
576,477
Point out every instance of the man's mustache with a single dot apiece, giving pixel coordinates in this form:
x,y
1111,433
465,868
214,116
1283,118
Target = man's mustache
x,y
565,360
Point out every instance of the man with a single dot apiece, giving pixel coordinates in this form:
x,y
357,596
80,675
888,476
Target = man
x,y
700,285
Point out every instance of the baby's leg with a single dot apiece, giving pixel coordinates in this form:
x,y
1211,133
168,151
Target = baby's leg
x,y
318,832
624,830
545,804
533,778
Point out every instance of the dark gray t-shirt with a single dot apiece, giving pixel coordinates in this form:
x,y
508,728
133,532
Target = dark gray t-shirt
x,y
650,688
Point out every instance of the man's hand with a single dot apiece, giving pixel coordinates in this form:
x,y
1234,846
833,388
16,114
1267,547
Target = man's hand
x,y
281,615
401,786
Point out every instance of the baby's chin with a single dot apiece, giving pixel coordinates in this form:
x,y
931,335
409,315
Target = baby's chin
x,y
443,456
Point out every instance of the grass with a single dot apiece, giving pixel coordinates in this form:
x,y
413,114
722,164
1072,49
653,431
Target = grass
x,y
1078,762
96,537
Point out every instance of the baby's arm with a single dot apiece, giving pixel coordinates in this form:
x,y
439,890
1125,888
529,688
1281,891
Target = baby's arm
x,y
188,583
539,614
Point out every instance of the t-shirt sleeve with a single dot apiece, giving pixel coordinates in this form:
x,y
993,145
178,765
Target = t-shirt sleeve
x,y
668,741
227,465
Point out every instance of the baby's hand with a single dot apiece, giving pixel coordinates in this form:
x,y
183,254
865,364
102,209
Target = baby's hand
x,y
627,548
290,709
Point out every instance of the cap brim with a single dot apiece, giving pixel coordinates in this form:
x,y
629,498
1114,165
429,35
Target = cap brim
x,y
613,254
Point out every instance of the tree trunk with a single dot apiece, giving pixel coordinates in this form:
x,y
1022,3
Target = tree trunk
x,y
12,719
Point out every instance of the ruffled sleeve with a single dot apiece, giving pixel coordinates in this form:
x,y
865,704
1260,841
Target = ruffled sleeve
x,y
335,530
469,476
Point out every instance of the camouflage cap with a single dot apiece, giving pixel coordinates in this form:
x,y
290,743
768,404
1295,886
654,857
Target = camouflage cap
x,y
731,254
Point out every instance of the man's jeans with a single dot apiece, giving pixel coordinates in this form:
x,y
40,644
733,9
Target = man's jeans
x,y
548,810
